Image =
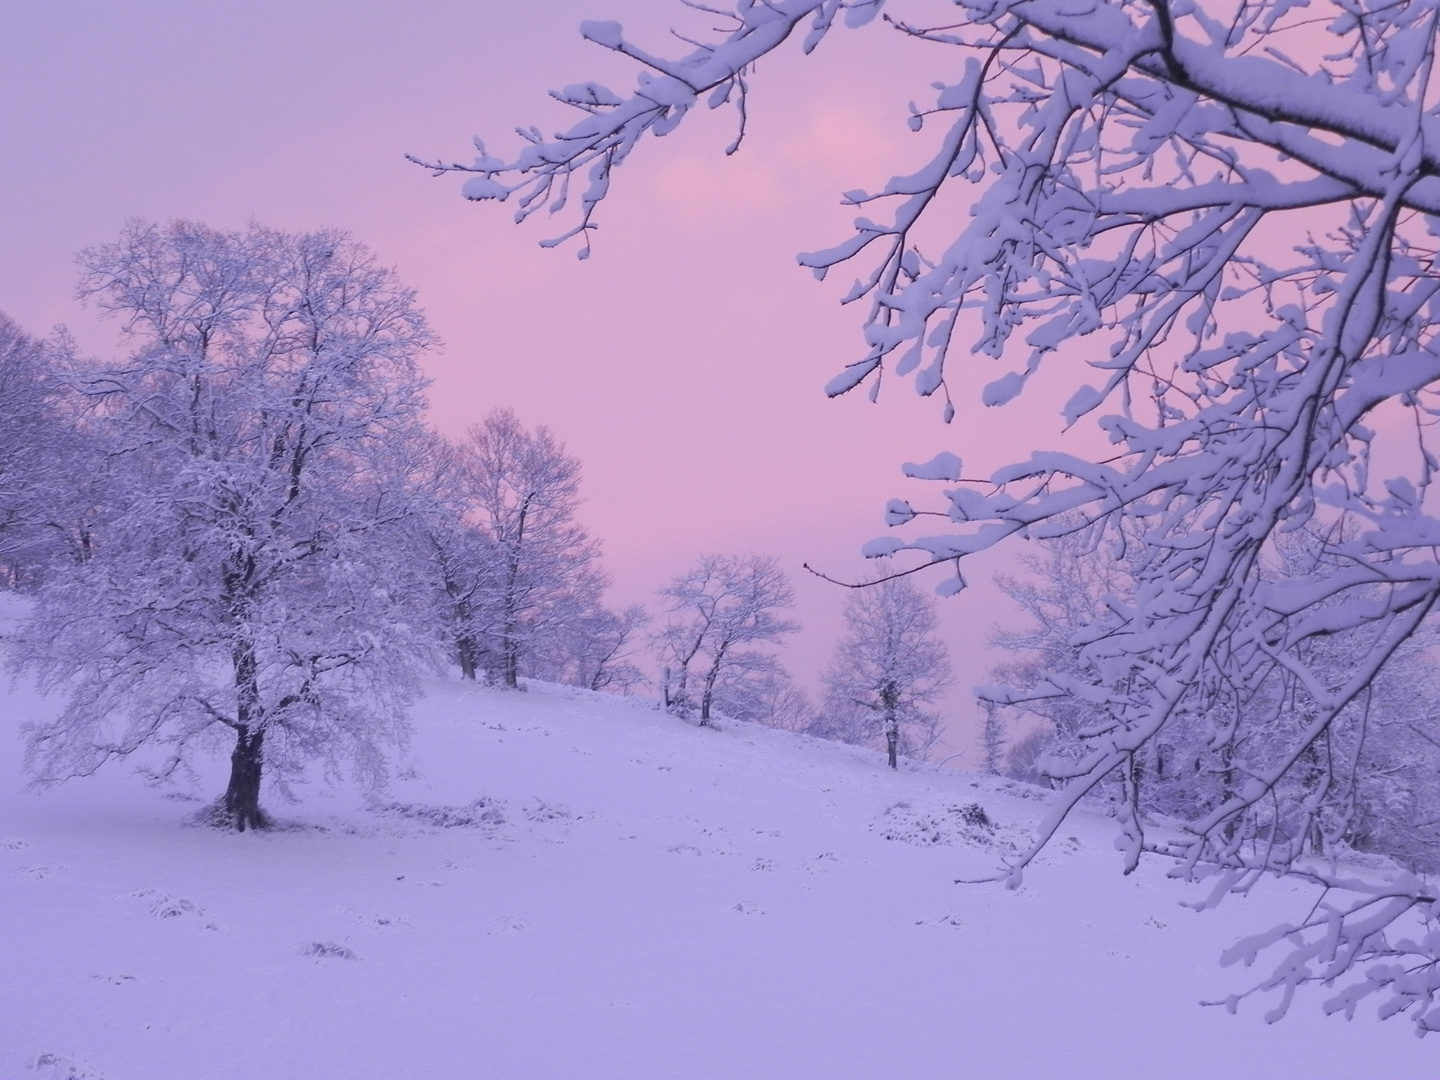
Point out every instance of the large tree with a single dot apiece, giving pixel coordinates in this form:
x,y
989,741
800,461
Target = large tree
x,y
1222,215
248,574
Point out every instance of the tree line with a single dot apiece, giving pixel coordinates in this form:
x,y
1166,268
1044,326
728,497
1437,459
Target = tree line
x,y
242,535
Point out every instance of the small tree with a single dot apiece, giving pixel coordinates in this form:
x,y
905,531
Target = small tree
x,y
248,573
887,666
715,610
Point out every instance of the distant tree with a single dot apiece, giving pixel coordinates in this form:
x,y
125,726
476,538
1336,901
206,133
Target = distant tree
x,y
714,611
766,694
50,474
888,665
593,647
992,737
249,575
1370,784
1022,758
462,561
756,687
1066,586
521,490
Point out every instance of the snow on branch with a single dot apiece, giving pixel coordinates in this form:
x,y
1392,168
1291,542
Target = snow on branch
x,y
1223,220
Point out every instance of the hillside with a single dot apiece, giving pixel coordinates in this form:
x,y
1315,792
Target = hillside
x,y
565,884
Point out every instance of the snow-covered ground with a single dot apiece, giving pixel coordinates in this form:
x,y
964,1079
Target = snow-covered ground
x,y
573,885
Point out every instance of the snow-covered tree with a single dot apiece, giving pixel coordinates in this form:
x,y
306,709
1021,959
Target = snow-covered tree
x,y
593,647
462,562
1222,215
992,738
249,576
50,474
888,666
519,490
770,697
714,611
1368,784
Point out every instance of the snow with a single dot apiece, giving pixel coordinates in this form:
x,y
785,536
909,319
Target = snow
x,y
568,884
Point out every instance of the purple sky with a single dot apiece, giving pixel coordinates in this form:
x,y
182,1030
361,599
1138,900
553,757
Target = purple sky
x,y
683,363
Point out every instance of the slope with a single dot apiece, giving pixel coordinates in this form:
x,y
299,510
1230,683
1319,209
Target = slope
x,y
564,884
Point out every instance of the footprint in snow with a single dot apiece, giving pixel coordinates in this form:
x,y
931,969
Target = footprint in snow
x,y
540,811
384,922
11,844
116,980
820,863
746,907
507,924
327,950
953,922
165,906
39,873
52,1066
174,907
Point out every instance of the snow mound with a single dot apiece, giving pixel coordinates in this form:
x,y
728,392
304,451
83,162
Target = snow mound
x,y
954,823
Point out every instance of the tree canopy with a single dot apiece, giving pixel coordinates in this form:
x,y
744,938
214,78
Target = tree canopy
x,y
247,574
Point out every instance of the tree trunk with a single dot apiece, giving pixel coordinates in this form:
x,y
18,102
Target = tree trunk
x,y
242,797
510,636
890,703
465,648
707,698
512,659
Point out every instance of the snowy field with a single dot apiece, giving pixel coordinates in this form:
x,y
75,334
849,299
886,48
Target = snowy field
x,y
572,885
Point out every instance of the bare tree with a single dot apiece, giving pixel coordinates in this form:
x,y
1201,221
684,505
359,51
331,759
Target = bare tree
x,y
886,668
723,604
247,576
1234,207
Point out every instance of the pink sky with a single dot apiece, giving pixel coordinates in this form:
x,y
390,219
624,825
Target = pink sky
x,y
683,363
